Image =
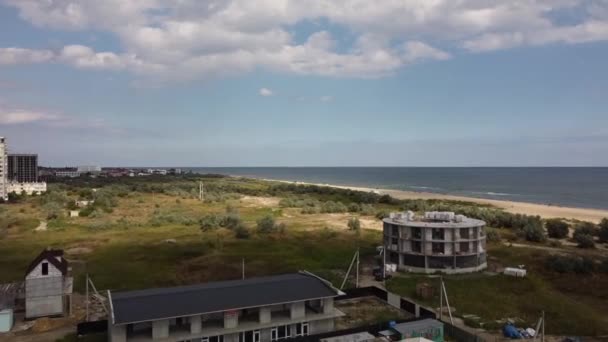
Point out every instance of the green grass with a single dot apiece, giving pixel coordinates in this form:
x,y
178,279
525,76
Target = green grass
x,y
498,297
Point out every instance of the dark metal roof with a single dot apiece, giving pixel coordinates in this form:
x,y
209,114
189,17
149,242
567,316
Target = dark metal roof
x,y
49,255
155,304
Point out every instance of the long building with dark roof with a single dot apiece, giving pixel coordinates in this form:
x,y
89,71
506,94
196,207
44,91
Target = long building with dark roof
x,y
263,309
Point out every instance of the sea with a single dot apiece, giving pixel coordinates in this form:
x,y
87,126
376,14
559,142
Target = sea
x,y
584,187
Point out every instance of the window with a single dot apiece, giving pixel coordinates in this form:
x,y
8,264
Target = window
x,y
438,234
205,339
464,247
283,332
395,230
438,248
416,246
45,268
274,334
464,233
416,233
302,329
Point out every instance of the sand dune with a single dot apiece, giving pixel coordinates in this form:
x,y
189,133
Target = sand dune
x,y
543,210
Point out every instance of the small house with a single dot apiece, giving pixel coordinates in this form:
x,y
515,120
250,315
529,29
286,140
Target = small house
x,y
47,285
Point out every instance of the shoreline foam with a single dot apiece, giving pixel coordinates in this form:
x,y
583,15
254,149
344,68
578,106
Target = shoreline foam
x,y
542,210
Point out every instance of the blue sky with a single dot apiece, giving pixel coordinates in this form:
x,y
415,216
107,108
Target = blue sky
x,y
334,83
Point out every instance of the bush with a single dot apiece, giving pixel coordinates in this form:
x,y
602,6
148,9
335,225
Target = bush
x,y
557,228
241,232
492,235
568,264
209,222
603,232
231,220
586,228
354,208
584,241
266,225
354,224
534,232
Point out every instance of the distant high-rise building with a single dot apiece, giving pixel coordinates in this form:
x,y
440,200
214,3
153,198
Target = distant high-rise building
x,y
23,168
3,170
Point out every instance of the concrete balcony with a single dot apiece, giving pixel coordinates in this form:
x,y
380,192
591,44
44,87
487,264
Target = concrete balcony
x,y
216,327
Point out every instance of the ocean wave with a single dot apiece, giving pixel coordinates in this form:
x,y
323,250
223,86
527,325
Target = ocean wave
x,y
491,193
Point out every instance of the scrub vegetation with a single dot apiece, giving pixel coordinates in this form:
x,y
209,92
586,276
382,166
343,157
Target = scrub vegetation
x,y
154,231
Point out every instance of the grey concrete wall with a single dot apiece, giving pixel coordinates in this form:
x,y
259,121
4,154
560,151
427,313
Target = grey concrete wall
x,y
328,305
231,337
394,300
195,324
160,329
43,306
265,315
298,310
321,326
116,333
231,320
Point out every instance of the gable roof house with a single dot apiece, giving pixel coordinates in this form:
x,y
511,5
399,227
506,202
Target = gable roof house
x,y
47,282
263,309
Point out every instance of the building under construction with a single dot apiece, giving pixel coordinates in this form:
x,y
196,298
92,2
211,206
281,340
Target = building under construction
x,y
437,241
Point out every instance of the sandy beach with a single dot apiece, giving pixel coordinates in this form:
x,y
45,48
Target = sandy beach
x,y
543,210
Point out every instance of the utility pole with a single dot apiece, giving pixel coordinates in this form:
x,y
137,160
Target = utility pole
x,y
243,267
543,338
201,192
357,281
86,301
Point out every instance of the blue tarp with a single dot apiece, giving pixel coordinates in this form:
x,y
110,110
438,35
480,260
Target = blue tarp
x,y
510,331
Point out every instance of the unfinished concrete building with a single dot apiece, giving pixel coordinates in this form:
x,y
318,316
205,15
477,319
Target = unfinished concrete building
x,y
48,285
437,241
264,309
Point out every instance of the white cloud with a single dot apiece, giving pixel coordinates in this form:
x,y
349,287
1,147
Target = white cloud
x,y
9,56
266,92
181,40
326,98
13,116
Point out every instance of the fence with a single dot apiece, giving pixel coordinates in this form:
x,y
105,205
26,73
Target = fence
x,y
460,334
392,299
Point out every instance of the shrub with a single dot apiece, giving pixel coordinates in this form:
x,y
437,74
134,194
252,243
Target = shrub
x,y
209,222
587,228
354,224
533,231
382,214
354,208
368,210
603,232
568,264
492,235
266,224
557,228
584,241
241,232
231,220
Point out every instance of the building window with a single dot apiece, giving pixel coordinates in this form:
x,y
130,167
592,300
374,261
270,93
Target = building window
x,y
416,246
256,336
438,248
249,336
205,339
219,338
464,233
302,329
45,268
394,241
464,247
274,334
416,233
283,332
395,230
438,234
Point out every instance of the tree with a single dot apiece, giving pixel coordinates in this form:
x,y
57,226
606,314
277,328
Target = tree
x,y
586,228
266,224
557,228
603,233
354,224
584,240
533,231
209,222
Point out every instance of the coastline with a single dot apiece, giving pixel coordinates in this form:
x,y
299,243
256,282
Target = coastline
x,y
542,210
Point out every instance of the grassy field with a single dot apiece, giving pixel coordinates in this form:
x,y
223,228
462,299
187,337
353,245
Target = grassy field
x,y
495,297
149,234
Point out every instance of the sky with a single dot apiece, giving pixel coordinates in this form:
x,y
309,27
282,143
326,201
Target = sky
x,y
306,83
